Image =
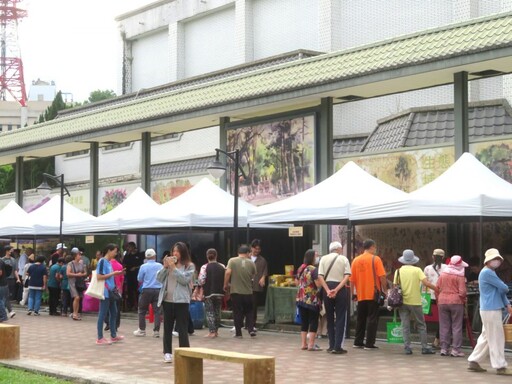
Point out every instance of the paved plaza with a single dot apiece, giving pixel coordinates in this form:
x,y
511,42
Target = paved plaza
x,y
65,347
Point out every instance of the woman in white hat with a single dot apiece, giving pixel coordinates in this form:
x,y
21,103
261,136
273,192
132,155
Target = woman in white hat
x,y
409,278
493,298
451,300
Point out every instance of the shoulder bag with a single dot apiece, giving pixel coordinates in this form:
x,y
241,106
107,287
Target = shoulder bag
x,y
378,295
395,297
79,280
95,289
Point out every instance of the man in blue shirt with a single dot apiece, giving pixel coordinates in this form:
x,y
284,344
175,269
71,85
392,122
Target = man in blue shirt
x,y
150,288
493,299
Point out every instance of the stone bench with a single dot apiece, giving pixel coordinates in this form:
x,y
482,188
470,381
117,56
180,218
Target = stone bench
x,y
9,341
189,365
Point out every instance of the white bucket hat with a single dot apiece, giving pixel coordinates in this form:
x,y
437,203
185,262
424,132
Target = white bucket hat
x,y
492,254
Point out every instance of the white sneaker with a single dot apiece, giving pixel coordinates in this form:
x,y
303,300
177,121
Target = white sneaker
x,y
174,333
156,334
139,333
167,358
12,314
232,329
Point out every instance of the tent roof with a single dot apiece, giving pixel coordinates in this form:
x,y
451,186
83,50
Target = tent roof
x,y
206,205
329,200
46,218
468,188
15,221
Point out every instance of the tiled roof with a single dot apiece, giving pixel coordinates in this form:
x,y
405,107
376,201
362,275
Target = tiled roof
x,y
453,41
196,80
180,168
346,145
424,126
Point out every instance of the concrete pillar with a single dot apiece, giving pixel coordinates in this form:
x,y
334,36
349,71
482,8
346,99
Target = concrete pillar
x,y
461,140
324,157
329,34
244,35
94,178
145,167
223,144
177,52
18,180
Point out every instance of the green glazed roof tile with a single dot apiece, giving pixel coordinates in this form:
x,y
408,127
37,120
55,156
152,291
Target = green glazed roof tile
x,y
450,41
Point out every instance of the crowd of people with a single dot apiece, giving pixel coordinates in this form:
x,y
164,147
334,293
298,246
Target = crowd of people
x,y
328,284
325,287
139,281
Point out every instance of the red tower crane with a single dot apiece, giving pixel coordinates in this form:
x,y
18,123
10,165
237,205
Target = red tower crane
x,y
11,66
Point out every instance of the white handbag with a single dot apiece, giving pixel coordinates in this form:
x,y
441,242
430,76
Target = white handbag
x,y
96,288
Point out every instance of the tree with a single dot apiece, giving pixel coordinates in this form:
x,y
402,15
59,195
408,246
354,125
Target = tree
x,y
99,95
51,112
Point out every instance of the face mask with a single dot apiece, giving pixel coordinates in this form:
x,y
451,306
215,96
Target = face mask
x,y
494,264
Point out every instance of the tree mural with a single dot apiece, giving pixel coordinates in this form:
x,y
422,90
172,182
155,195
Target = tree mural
x,y
278,158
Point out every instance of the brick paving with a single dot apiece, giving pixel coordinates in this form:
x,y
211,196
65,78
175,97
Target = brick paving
x,y
65,347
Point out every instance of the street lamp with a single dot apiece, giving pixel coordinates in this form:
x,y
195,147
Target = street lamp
x,y
217,169
44,190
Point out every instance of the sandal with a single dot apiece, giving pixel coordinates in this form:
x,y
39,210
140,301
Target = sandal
x,y
77,318
315,349
304,348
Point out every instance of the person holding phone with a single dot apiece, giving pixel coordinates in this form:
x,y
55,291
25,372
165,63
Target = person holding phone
x,y
174,297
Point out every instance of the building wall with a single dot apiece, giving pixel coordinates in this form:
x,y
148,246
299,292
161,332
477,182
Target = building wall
x,y
285,25
171,40
150,60
209,42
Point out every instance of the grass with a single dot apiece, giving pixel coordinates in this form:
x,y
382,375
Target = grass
x,y
15,376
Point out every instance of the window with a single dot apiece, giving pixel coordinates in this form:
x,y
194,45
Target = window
x,y
169,136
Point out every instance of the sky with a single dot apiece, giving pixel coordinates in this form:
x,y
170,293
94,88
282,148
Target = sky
x,y
74,43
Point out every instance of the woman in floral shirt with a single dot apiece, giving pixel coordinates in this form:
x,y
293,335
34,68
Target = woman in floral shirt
x,y
308,300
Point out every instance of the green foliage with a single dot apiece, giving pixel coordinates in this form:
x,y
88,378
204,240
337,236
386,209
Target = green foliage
x,y
51,112
7,177
11,376
99,95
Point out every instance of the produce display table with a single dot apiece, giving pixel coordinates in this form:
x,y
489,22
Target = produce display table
x,y
280,305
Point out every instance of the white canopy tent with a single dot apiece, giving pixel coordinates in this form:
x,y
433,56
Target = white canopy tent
x,y
46,218
138,213
468,188
328,201
206,205
14,221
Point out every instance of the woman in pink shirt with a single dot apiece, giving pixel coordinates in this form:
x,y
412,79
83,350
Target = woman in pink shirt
x,y
451,300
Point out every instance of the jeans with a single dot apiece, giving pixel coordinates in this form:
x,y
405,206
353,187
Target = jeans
x,y
336,306
149,296
3,297
416,311
66,302
34,299
242,308
179,313
110,306
367,322
118,317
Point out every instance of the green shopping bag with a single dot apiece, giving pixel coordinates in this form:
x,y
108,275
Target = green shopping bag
x,y
395,331
426,301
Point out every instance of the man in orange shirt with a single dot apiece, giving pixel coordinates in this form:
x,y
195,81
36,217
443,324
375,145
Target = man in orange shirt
x,y
364,281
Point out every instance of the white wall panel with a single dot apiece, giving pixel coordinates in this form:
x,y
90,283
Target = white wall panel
x,y
151,60
368,21
284,25
192,144
209,42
